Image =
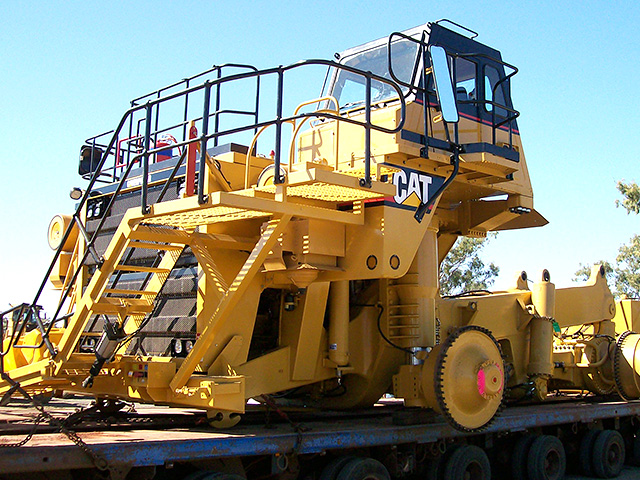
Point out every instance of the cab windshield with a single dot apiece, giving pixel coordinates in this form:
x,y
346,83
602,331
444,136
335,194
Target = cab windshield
x,y
349,88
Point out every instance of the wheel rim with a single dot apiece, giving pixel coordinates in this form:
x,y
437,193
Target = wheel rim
x,y
473,471
552,463
467,462
609,454
546,459
613,455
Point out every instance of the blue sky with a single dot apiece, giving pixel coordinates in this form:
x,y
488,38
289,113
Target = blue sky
x,y
70,68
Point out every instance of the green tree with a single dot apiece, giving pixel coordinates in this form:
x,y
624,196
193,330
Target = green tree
x,y
463,270
631,193
625,274
628,269
628,260
583,273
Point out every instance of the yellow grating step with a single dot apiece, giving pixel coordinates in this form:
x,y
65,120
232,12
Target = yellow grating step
x,y
155,246
136,268
334,187
326,192
150,233
114,305
210,215
124,291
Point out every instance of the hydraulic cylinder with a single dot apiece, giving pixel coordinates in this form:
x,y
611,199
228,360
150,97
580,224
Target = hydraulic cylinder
x,y
543,296
339,323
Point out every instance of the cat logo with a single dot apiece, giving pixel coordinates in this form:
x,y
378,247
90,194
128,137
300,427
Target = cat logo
x,y
413,187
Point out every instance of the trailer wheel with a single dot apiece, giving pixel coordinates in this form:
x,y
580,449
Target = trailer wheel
x,y
585,453
635,451
332,469
519,456
608,454
547,459
363,469
467,462
435,466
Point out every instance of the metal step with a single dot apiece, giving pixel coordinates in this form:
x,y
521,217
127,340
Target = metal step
x,y
155,246
138,268
114,305
124,291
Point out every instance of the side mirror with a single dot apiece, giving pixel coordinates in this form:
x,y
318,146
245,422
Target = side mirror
x,y
89,159
444,86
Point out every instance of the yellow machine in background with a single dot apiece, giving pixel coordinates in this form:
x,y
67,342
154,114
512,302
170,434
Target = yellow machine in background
x,y
313,272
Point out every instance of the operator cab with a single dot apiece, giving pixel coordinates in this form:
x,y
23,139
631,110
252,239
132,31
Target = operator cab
x,y
481,82
492,179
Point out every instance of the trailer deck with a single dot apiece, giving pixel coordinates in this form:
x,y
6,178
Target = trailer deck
x,y
159,436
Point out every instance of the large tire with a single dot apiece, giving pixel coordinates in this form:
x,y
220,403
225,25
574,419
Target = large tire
x,y
332,469
585,453
635,452
436,465
547,459
468,462
432,469
608,454
363,469
519,457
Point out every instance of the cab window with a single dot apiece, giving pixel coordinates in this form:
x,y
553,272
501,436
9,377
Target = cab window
x,y
465,73
349,88
492,93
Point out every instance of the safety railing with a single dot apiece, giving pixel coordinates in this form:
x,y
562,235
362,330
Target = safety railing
x,y
145,127
418,85
129,147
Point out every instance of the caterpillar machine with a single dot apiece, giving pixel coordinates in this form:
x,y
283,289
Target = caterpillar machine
x,y
198,271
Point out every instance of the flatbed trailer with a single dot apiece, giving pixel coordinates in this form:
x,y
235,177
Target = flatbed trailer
x,y
158,442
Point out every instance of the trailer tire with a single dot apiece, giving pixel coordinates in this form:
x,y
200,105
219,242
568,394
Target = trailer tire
x,y
547,459
608,454
519,457
635,451
363,469
332,469
467,462
436,465
585,452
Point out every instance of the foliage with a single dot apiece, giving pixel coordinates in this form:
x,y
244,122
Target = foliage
x,y
628,269
625,274
582,274
463,270
631,194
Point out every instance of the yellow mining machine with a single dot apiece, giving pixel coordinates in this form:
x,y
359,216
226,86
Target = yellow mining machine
x,y
199,272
